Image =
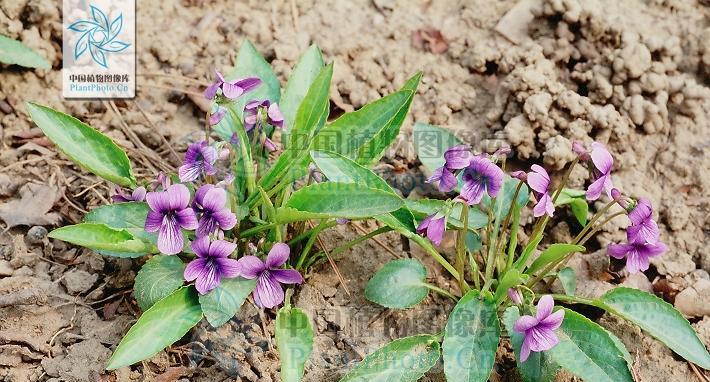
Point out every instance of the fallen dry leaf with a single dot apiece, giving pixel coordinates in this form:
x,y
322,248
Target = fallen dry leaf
x,y
32,208
430,38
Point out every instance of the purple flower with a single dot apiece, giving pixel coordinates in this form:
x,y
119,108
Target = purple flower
x,y
211,203
212,264
520,175
269,276
273,114
161,180
481,177
603,162
168,213
456,158
643,228
447,180
581,151
637,252
539,331
515,296
199,159
231,89
539,181
217,116
434,225
138,195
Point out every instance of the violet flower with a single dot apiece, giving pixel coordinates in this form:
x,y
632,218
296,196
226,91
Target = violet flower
x,y
231,89
211,203
515,296
168,213
217,116
481,177
603,163
138,195
273,114
268,292
434,226
161,180
581,151
447,180
643,228
199,159
212,264
456,158
539,331
637,252
539,181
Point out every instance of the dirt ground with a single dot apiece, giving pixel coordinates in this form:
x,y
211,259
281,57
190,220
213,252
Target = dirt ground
x,y
533,73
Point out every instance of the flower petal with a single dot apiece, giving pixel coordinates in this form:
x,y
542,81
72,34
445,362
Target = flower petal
x,y
194,269
214,199
286,276
251,266
268,292
525,323
225,218
201,192
138,194
189,172
157,201
206,225
277,255
553,321
541,339
231,90
178,196
249,84
222,248
228,268
186,218
458,157
642,212
275,116
524,351
211,90
618,251
153,221
170,239
544,307
208,279
538,180
435,230
601,158
422,227
201,246
595,189
217,116
448,181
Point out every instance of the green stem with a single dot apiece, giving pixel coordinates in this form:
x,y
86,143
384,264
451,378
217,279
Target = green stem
x,y
460,263
309,244
440,291
474,271
513,242
506,221
245,152
599,226
490,261
270,213
307,233
254,230
424,243
593,220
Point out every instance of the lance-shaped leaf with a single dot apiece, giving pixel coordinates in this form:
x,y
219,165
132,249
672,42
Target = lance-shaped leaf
x,y
471,339
223,302
659,319
338,168
294,339
588,351
159,327
301,78
361,129
13,52
85,146
402,360
250,63
538,367
431,142
158,278
337,200
400,284
102,237
553,254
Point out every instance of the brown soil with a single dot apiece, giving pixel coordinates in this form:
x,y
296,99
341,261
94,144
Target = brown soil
x,y
534,73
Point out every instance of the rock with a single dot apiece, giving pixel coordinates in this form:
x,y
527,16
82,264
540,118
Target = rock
x,y
36,234
694,301
78,281
84,362
703,329
674,263
638,281
5,268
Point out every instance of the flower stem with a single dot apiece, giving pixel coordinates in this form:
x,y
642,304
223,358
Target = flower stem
x,y
592,221
506,221
599,226
254,230
460,263
513,242
311,240
440,291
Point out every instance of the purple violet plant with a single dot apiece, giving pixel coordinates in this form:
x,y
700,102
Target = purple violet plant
x,y
199,160
637,252
539,330
434,226
120,196
230,89
603,163
269,292
456,158
481,177
539,181
169,212
211,205
212,264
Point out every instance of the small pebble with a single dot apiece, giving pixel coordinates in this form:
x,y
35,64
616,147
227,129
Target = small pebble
x,y
5,268
36,234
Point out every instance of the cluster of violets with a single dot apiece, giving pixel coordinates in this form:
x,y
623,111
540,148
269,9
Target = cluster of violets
x,y
482,176
174,214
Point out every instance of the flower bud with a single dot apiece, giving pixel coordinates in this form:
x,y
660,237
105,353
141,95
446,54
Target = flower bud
x,y
515,296
581,151
522,175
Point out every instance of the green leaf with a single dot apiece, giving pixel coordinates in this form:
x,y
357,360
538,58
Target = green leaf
x,y
13,52
100,236
365,134
339,168
372,151
473,242
311,115
553,254
431,142
504,198
129,216
568,279
538,367
424,207
223,302
294,339
85,146
337,200
471,339
403,360
158,278
250,63
588,351
160,326
659,319
301,78
580,210
400,284
510,279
